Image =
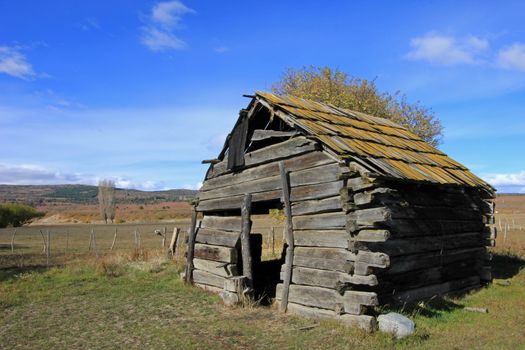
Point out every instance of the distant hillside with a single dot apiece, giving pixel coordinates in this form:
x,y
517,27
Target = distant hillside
x,y
85,194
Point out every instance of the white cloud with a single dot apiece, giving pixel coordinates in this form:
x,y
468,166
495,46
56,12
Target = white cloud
x,y
159,40
30,174
513,57
447,50
197,186
169,14
158,34
14,63
507,183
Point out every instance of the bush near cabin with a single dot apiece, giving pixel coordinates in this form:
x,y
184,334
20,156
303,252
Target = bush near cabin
x,y
16,215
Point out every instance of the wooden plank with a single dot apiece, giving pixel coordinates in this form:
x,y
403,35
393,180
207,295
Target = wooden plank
x,y
424,227
321,174
216,253
330,299
245,240
324,264
259,134
216,268
289,148
372,235
441,289
225,223
328,279
317,191
364,322
289,238
234,202
402,264
218,237
407,246
322,238
325,221
375,259
300,162
191,246
317,206
209,279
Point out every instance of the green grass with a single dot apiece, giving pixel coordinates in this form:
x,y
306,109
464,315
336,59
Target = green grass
x,y
82,306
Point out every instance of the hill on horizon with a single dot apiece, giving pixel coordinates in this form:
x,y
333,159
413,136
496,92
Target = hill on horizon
x,y
86,194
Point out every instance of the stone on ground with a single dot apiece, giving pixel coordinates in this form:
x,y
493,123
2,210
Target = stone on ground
x,y
396,324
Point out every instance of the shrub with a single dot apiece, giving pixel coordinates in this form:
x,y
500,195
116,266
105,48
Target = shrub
x,y
16,215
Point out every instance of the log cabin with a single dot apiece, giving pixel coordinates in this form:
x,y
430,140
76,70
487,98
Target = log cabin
x,y
374,215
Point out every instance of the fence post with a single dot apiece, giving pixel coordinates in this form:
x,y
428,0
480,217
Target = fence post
x,y
67,241
114,240
273,240
44,242
94,242
13,241
48,250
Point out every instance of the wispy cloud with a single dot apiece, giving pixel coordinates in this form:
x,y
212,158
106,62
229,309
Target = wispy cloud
x,y
30,174
89,24
221,49
14,63
507,182
513,57
158,33
447,50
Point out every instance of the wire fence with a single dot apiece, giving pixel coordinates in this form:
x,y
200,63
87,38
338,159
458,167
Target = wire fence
x,y
59,244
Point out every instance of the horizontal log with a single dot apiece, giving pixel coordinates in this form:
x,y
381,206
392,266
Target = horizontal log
x,y
428,276
234,202
441,289
225,223
372,235
209,279
328,279
364,322
415,228
215,253
317,191
317,206
217,237
402,264
321,238
324,263
329,299
208,288
317,175
407,246
259,134
216,268
357,184
286,149
320,221
372,258
304,161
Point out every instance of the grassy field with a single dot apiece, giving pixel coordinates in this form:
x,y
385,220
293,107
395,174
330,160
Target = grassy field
x,y
128,300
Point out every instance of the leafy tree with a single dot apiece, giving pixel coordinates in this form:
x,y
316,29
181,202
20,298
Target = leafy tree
x,y
338,88
106,199
16,215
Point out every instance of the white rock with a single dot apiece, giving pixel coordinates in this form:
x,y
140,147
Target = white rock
x,y
396,324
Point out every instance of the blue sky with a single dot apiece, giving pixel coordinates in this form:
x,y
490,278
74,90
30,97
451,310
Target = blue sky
x,y
142,91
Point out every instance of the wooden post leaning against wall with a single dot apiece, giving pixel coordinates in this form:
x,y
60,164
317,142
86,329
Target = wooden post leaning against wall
x,y
191,246
245,240
289,238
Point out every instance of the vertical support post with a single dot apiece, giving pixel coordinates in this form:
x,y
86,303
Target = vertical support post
x,y
94,242
43,241
246,209
289,238
191,246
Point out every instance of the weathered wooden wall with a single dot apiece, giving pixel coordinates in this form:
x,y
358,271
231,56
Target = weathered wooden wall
x,y
358,242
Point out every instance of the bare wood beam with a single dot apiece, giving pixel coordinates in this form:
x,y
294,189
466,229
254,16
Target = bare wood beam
x,y
191,247
289,238
245,239
260,134
211,161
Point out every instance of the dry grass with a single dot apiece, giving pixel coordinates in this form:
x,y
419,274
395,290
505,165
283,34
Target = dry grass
x,y
134,299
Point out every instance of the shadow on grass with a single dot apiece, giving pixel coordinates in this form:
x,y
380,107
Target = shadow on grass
x,y
506,265
9,273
